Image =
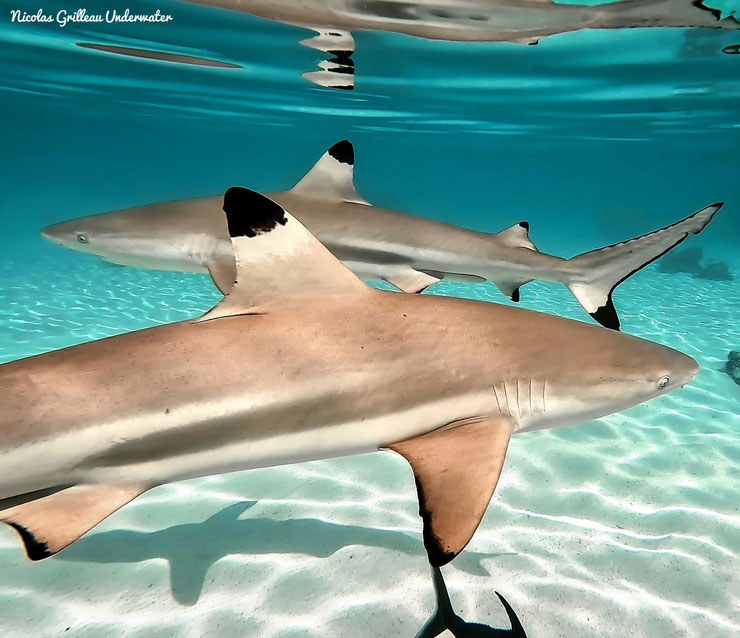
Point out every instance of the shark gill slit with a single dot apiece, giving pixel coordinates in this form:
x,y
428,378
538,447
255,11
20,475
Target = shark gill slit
x,y
508,403
498,402
518,403
544,395
531,399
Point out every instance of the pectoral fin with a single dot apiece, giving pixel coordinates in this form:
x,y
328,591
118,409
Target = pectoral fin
x,y
49,524
408,279
223,273
456,469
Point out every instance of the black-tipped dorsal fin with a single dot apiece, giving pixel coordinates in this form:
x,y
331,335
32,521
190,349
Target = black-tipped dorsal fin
x,y
516,236
456,469
276,257
332,177
49,524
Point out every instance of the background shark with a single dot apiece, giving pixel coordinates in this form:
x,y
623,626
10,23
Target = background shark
x,y
302,361
521,21
409,252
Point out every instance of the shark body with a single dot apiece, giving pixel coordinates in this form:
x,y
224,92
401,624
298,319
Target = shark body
x,y
301,360
376,243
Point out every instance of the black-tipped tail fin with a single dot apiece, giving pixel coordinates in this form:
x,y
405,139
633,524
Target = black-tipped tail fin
x,y
597,273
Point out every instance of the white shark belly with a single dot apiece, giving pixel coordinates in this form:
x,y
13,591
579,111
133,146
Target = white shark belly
x,y
153,262
187,253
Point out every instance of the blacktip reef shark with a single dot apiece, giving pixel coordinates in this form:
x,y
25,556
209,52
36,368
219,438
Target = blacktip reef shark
x,y
301,361
519,21
407,251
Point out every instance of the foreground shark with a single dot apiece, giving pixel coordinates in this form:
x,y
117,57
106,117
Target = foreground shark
x,y
301,361
521,21
409,252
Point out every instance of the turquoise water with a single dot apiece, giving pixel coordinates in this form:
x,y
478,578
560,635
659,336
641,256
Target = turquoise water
x,y
626,526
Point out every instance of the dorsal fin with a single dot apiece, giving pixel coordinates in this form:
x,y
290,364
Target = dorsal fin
x,y
332,177
517,236
276,257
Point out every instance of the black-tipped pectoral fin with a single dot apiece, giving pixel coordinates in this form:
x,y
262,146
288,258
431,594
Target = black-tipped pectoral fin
x,y
456,468
47,525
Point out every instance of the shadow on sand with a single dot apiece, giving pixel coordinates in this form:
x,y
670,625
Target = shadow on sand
x,y
191,548
445,618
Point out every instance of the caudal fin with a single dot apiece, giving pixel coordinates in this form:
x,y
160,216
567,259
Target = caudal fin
x,y
597,273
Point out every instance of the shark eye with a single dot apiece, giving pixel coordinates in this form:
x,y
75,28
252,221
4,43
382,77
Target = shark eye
x,y
82,238
663,382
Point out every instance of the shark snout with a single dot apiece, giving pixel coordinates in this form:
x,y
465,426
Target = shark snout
x,y
686,369
54,233
46,234
68,235
679,369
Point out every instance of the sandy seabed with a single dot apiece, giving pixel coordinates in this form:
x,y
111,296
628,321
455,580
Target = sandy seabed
x,y
627,526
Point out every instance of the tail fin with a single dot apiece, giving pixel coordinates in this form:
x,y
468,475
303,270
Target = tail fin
x,y
598,272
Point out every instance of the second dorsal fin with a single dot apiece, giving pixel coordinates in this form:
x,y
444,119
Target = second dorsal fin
x,y
332,177
516,236
276,257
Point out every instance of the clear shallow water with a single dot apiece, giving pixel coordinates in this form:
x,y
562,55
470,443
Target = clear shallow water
x,y
625,526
